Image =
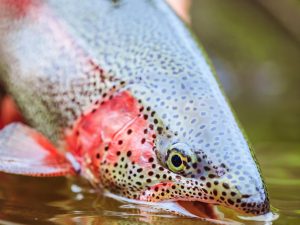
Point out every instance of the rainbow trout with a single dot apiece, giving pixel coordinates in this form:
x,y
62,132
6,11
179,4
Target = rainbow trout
x,y
120,93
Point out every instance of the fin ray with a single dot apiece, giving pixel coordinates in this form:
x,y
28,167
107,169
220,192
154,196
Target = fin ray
x,y
27,152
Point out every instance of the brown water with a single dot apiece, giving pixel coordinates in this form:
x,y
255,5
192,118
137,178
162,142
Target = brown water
x,y
258,64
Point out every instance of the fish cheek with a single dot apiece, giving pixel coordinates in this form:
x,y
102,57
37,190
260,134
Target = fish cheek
x,y
126,167
127,176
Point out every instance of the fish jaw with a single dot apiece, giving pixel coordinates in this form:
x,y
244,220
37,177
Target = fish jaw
x,y
191,190
116,145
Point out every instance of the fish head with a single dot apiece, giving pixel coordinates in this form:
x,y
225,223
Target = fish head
x,y
196,149
177,140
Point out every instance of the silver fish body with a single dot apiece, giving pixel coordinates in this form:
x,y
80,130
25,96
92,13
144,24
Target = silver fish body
x,y
58,59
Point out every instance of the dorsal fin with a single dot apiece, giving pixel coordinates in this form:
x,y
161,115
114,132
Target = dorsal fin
x,y
25,151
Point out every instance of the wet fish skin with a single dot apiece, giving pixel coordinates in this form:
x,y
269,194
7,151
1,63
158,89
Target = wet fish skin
x,y
124,87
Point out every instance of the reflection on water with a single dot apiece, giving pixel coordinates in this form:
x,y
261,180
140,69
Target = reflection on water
x,y
258,63
28,200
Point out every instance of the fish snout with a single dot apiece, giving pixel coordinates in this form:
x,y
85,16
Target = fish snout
x,y
257,204
248,199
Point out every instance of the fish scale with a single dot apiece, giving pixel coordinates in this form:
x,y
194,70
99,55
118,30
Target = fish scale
x,y
127,91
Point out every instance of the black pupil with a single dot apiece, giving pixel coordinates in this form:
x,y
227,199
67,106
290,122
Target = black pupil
x,y
176,160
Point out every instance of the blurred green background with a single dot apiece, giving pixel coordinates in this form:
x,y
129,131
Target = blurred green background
x,y
258,62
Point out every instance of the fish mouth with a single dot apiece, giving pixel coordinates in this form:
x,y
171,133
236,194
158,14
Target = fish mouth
x,y
212,212
201,209
216,213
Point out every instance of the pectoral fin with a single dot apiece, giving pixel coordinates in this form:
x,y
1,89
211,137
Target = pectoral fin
x,y
27,152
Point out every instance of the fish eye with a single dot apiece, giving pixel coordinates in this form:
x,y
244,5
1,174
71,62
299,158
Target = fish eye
x,y
176,160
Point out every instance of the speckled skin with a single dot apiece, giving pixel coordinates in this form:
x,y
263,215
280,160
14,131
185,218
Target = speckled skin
x,y
121,84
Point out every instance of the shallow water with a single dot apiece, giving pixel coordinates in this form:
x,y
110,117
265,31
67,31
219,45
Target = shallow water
x,y
25,200
258,64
